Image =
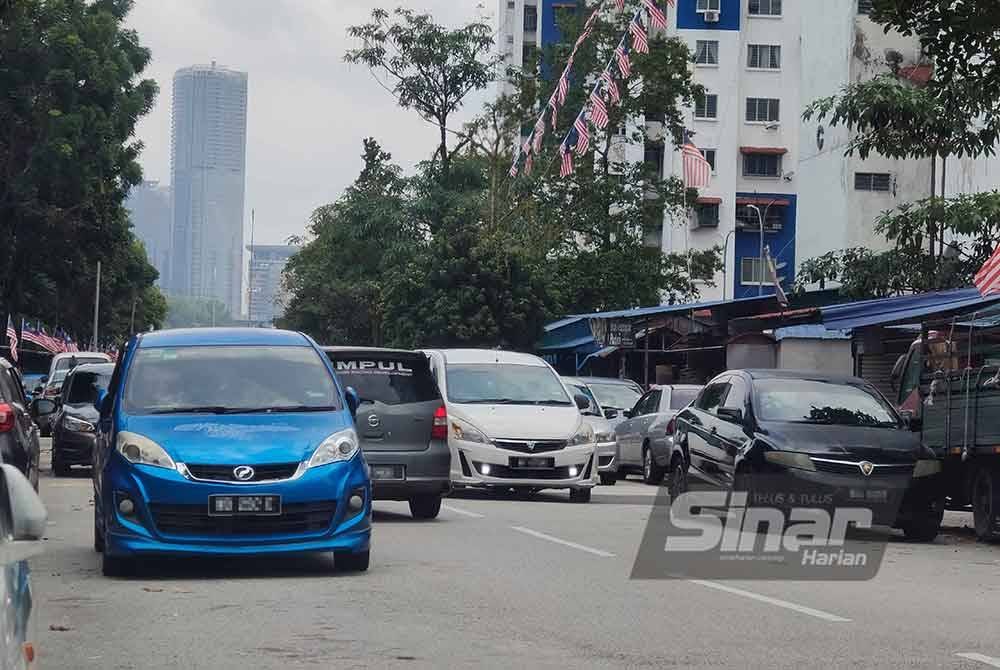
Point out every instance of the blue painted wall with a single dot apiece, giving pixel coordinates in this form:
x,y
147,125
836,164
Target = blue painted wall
x,y
782,245
688,18
547,19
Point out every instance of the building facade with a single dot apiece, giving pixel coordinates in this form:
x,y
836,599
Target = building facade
x,y
149,210
267,297
762,62
208,167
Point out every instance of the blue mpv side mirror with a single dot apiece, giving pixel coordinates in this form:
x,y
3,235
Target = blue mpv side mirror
x,y
100,401
353,399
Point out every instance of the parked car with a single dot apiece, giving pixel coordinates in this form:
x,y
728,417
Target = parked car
x,y
645,437
29,382
50,385
74,425
512,424
228,441
402,424
22,525
828,436
615,396
604,432
19,444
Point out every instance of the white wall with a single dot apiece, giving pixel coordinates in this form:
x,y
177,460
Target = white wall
x,y
832,356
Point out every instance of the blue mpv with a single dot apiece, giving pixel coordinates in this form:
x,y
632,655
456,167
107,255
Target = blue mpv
x,y
228,442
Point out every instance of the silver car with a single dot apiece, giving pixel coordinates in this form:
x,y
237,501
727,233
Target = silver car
x,y
599,419
645,437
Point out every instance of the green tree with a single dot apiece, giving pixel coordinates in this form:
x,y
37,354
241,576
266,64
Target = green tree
x,y
191,312
336,280
72,96
432,69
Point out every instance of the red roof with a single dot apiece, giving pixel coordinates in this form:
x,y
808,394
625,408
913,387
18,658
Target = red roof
x,y
709,200
770,151
918,74
764,202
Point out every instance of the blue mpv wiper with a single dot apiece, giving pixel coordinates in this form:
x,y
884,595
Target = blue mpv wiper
x,y
199,409
277,409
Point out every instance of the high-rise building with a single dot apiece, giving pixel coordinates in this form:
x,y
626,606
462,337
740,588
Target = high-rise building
x,y
761,63
149,210
208,166
267,298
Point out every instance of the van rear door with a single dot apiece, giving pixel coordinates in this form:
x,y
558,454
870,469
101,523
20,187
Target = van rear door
x,y
398,397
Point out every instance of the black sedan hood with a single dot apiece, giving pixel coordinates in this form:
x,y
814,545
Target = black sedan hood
x,y
84,411
855,442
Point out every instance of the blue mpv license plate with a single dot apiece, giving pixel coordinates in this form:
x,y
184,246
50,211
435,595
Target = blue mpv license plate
x,y
226,505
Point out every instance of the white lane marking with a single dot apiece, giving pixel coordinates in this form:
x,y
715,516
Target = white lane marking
x,y
988,660
463,512
802,609
565,543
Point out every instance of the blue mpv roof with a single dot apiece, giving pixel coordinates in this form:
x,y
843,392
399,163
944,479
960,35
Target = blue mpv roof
x,y
193,337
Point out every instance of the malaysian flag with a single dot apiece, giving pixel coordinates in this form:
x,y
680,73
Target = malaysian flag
x,y
539,134
639,40
611,86
12,339
987,280
513,169
528,163
621,5
656,16
566,169
624,63
582,134
598,110
563,88
49,342
28,334
697,170
554,105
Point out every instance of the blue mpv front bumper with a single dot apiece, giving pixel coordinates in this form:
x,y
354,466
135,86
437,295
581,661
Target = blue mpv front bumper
x,y
171,513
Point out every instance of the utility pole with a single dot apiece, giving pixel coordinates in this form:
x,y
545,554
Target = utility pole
x,y
131,321
97,302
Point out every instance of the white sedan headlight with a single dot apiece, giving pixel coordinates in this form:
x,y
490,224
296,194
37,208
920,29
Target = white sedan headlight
x,y
466,432
609,436
584,435
140,449
72,424
340,446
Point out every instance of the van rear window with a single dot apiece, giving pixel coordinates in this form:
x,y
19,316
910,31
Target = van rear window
x,y
390,381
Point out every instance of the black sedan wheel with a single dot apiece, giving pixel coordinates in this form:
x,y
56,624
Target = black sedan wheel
x,y
677,484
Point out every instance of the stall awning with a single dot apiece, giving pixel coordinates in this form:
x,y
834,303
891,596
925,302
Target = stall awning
x,y
600,353
764,202
770,151
904,308
709,200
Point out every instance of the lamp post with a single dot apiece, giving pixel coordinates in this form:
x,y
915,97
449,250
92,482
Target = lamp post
x,y
725,262
761,216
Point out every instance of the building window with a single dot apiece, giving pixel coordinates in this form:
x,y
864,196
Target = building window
x,y
709,155
761,165
510,4
763,110
751,270
708,216
747,217
530,18
706,52
865,6
765,8
872,181
654,158
707,107
764,56
709,5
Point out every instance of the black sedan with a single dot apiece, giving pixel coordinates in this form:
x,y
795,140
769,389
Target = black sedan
x,y
19,444
832,441
73,425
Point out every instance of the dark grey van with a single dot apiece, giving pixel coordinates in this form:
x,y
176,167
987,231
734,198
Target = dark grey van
x,y
402,423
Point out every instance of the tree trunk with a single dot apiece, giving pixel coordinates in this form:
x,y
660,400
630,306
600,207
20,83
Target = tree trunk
x,y
931,225
445,158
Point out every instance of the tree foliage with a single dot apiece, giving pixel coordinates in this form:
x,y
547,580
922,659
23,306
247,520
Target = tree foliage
x,y
193,312
72,96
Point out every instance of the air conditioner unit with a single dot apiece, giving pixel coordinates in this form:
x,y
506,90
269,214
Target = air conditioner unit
x,y
711,17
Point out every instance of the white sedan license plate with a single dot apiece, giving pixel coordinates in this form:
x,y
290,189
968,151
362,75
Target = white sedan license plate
x,y
259,505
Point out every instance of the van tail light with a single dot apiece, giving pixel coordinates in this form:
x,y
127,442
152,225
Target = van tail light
x,y
6,418
671,425
439,429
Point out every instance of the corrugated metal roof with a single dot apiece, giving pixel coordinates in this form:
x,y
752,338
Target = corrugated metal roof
x,y
903,309
812,331
666,309
561,323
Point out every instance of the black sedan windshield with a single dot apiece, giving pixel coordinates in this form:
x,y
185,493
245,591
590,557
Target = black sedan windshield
x,y
511,384
84,386
228,378
812,401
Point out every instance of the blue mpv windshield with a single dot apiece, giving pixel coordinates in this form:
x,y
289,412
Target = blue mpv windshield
x,y
168,379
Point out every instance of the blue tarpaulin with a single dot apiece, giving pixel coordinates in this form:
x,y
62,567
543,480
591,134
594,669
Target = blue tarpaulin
x,y
903,309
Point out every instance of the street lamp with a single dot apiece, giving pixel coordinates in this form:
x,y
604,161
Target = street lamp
x,y
725,261
760,257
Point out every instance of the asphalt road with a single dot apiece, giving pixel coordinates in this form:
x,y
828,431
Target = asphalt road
x,y
497,582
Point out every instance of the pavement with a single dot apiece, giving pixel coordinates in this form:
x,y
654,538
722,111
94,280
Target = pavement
x,y
502,582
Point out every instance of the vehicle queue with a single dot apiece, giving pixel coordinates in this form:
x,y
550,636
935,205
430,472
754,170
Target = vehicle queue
x,y
251,441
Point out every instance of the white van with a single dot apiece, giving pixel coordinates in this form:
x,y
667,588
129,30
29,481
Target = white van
x,y
512,424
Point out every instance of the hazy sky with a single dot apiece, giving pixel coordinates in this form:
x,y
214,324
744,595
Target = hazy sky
x,y
308,110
